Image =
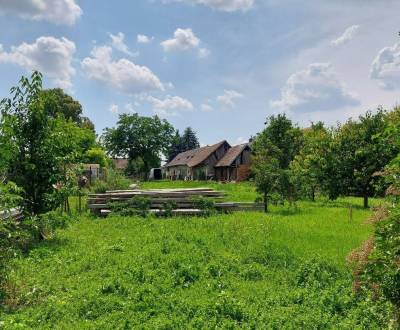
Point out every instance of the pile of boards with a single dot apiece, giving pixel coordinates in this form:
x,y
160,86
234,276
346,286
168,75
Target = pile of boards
x,y
182,198
15,214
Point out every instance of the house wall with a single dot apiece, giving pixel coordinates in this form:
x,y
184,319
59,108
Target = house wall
x,y
210,162
180,172
239,171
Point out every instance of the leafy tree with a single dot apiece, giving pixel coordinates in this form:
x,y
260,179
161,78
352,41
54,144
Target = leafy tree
x,y
309,166
139,138
274,149
61,103
96,155
175,148
189,140
364,151
41,144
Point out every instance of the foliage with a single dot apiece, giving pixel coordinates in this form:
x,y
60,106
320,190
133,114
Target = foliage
x,y
41,145
180,143
168,208
139,137
96,155
135,206
207,205
274,149
114,180
63,104
364,150
308,168
10,196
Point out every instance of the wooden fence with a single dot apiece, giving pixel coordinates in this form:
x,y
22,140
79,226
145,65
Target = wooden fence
x,y
183,199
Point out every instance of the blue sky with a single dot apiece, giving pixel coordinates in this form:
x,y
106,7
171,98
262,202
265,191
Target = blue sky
x,y
220,66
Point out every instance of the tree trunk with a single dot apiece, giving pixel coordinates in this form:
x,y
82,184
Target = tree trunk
x,y
265,203
313,194
365,200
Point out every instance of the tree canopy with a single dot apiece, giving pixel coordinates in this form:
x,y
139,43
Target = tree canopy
x,y
143,140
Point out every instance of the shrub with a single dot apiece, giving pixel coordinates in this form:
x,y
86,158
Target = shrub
x,y
205,204
135,206
168,207
114,180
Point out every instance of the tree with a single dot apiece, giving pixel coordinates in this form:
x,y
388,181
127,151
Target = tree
x,y
42,145
139,138
189,140
61,103
175,148
307,168
364,151
274,149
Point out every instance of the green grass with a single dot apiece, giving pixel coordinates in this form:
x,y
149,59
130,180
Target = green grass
x,y
283,270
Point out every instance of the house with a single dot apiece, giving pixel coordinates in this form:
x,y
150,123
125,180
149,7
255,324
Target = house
x,y
196,164
235,165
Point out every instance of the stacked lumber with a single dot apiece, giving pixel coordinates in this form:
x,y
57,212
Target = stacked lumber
x,y
182,198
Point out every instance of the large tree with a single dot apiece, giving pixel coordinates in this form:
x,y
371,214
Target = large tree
x,y
189,140
142,139
363,151
180,143
42,144
61,103
274,149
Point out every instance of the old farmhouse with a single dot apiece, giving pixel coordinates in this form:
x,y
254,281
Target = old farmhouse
x,y
219,161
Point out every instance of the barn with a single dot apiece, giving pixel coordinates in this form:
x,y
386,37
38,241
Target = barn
x,y
235,165
196,164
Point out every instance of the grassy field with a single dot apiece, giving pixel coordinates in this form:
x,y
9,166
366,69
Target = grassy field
x,y
283,270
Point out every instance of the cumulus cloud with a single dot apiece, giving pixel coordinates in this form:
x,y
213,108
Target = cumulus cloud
x,y
122,75
206,107
222,5
51,56
184,40
346,36
386,67
170,103
113,108
55,11
143,39
229,97
118,42
316,88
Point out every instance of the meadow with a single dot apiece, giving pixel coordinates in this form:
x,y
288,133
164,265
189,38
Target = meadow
x,y
282,270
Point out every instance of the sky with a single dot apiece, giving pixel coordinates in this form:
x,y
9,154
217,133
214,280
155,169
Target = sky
x,y
220,66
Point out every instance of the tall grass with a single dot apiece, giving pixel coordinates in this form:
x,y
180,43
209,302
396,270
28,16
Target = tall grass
x,y
283,270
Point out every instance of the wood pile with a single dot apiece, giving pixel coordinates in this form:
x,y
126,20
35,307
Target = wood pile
x,y
182,198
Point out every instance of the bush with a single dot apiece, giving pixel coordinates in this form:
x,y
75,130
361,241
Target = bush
x,y
205,204
114,180
135,206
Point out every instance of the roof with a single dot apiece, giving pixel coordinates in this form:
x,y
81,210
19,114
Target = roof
x,y
194,157
231,155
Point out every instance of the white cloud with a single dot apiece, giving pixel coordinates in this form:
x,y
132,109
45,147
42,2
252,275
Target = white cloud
x,y
204,52
113,108
229,97
55,11
49,55
123,74
316,88
143,39
206,107
222,5
386,67
346,36
167,106
184,40
118,42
